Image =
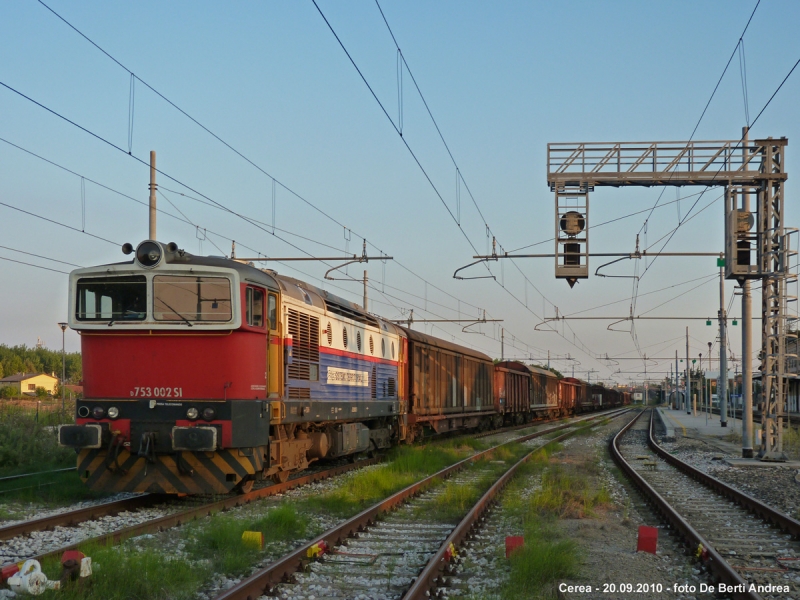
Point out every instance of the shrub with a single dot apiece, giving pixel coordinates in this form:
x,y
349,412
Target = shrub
x,y
27,445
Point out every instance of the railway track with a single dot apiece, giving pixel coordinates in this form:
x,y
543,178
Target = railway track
x,y
16,543
143,501
395,548
743,542
168,521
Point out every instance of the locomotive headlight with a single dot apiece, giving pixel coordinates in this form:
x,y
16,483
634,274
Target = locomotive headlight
x,y
148,254
113,412
98,412
192,414
209,414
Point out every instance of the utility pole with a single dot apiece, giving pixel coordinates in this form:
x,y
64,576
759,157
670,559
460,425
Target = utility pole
x,y
702,384
676,381
722,382
503,345
688,377
152,194
548,364
365,291
63,364
747,341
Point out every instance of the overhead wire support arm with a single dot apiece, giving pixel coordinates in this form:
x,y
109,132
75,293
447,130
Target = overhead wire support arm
x,y
493,256
353,258
469,322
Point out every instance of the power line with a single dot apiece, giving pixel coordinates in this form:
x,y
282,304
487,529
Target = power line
x,y
222,141
582,347
58,223
184,219
33,265
40,256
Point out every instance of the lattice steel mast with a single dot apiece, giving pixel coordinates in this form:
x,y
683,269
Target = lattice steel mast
x,y
744,168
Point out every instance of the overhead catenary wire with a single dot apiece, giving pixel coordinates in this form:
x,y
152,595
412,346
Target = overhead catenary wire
x,y
184,218
582,346
216,136
21,262
40,256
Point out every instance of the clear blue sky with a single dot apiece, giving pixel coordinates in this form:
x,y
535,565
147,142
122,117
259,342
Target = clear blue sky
x,y
502,80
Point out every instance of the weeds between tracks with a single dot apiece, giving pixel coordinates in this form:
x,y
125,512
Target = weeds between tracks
x,y
142,568
547,489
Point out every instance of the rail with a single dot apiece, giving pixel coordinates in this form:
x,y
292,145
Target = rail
x,y
428,579
264,581
712,558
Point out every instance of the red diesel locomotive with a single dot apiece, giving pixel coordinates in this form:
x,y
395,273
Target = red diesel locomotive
x,y
204,374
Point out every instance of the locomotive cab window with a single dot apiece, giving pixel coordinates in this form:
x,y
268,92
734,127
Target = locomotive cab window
x,y
255,307
112,298
199,299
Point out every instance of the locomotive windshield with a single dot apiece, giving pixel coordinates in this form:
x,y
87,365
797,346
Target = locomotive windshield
x,y
112,298
180,298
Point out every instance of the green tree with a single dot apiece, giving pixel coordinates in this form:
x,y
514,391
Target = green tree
x,y
41,392
8,391
21,359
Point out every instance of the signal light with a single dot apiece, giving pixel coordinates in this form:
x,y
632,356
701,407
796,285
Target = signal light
x,y
209,414
98,412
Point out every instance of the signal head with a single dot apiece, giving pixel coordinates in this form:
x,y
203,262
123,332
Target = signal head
x,y
572,223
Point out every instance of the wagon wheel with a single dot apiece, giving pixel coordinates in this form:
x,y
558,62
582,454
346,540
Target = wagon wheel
x,y
281,477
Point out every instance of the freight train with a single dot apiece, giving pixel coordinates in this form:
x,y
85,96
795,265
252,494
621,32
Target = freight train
x,y
204,374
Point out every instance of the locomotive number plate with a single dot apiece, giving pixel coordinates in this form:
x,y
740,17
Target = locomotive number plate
x,y
157,392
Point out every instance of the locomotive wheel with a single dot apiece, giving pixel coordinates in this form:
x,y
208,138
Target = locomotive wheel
x,y
281,477
246,486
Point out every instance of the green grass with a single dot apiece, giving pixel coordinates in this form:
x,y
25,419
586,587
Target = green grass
x,y
404,466
545,559
219,540
566,493
53,489
123,573
28,445
791,442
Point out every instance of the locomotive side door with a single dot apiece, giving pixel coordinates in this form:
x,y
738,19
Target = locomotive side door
x,y
274,349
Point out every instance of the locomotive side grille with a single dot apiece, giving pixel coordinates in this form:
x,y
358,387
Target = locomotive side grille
x,y
299,371
299,393
304,330
391,393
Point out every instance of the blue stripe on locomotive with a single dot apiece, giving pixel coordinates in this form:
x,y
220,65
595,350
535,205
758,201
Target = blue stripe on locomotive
x,y
321,390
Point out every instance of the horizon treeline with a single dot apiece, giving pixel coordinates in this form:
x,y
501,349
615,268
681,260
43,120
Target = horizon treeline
x,y
22,359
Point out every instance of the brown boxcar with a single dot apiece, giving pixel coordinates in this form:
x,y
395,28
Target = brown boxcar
x,y
583,397
512,391
544,393
450,386
568,395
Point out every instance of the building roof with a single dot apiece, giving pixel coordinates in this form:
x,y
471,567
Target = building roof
x,y
22,377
